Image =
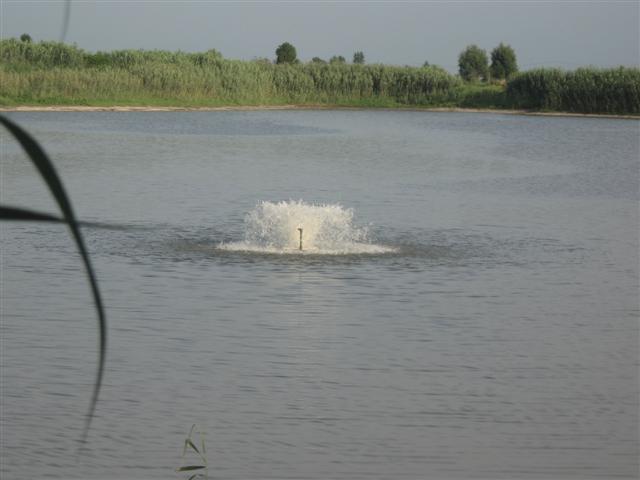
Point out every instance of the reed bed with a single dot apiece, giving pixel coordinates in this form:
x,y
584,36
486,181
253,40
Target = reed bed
x,y
585,90
55,73
228,81
49,72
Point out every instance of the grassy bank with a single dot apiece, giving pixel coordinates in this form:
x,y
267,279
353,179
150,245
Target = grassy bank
x,y
49,73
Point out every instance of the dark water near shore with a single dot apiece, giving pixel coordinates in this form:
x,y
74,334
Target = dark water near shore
x,y
498,339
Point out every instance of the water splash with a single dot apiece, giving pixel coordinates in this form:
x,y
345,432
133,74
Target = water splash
x,y
326,229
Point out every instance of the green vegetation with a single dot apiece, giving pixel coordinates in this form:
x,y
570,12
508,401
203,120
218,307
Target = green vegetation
x,y
200,454
503,62
473,64
47,171
358,58
586,90
51,73
286,53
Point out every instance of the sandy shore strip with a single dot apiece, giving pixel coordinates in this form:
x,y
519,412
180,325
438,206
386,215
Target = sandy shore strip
x,y
243,108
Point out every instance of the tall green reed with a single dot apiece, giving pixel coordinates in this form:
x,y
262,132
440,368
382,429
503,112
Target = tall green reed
x,y
51,72
585,90
29,73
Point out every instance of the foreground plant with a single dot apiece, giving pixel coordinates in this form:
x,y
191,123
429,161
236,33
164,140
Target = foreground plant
x,y
200,464
47,171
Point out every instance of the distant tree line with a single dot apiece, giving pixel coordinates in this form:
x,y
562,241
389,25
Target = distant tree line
x,y
473,62
286,53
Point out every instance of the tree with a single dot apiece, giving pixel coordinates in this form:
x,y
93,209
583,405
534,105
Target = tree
x,y
473,63
503,62
337,59
317,60
358,58
286,53
425,64
25,37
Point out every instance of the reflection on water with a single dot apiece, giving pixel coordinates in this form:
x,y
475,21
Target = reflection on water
x,y
494,337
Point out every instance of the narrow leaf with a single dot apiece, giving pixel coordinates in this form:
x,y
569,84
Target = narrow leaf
x,y
22,214
204,450
16,213
50,176
190,443
184,449
188,468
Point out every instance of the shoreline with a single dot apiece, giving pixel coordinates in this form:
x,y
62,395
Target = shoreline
x,y
241,108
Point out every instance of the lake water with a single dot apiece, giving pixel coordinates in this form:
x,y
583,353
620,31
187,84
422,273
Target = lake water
x,y
465,304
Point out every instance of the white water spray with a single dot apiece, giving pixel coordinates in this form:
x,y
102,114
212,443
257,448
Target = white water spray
x,y
298,227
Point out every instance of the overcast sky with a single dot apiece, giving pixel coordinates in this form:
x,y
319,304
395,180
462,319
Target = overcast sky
x,y
551,33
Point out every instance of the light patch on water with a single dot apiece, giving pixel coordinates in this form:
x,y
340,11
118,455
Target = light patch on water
x,y
326,230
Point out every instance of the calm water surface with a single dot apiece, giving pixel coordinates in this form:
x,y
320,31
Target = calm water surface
x,y
498,338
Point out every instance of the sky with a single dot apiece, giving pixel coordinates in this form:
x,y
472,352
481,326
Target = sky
x,y
565,34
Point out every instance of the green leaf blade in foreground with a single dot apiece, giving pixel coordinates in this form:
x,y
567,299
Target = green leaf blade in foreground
x,y
16,213
25,215
197,475
189,468
47,171
190,443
